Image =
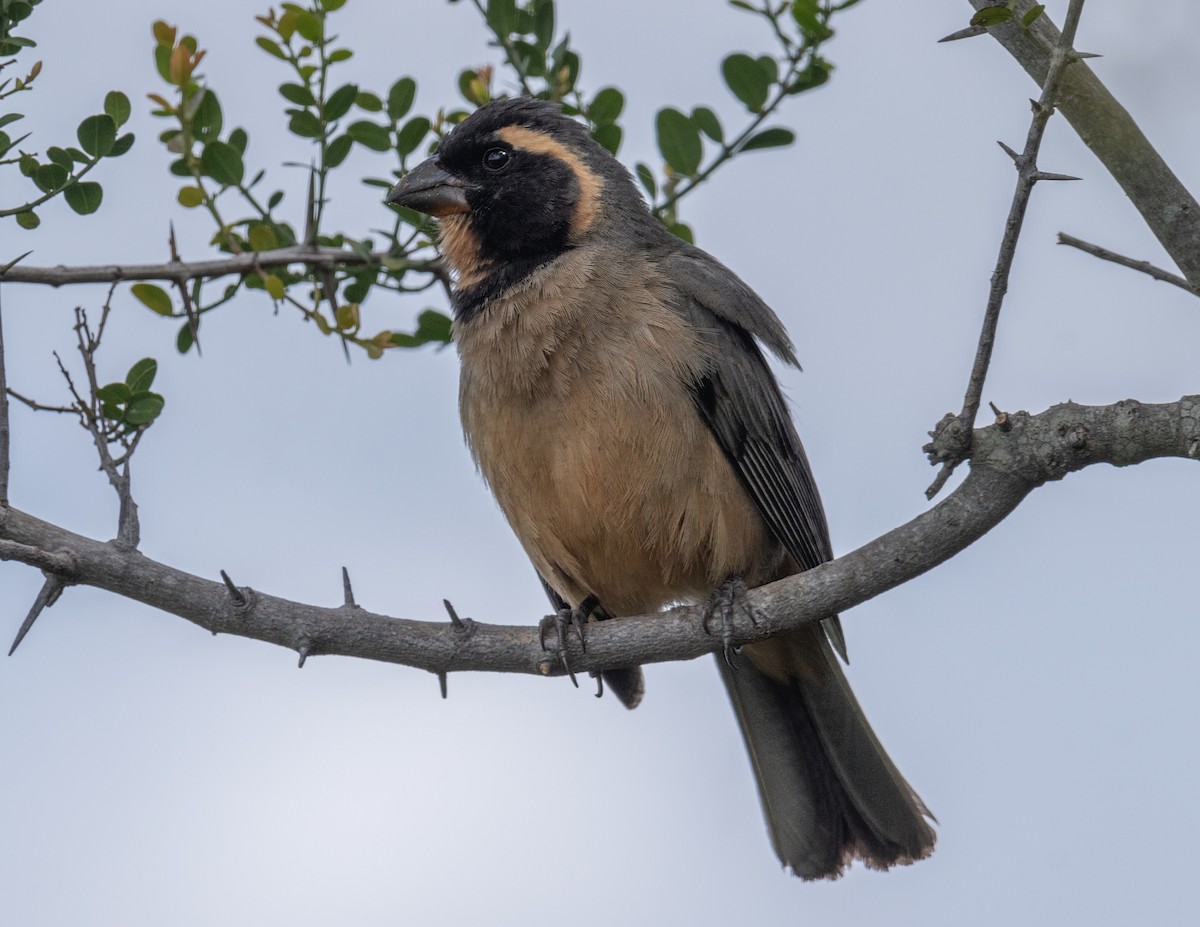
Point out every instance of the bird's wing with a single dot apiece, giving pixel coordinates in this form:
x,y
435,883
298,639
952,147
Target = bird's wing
x,y
736,395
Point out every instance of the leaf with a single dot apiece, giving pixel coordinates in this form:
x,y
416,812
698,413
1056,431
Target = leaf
x,y
116,393
400,98
340,54
50,177
298,94
121,145
1032,16
806,13
365,100
185,339
609,136
222,163
679,140
432,326
708,123
304,124
747,80
189,197
28,219
375,137
96,135
153,297
207,120
339,102
141,375
239,140
646,176
261,237
991,16
59,156
336,151
117,106
412,134
769,138
606,106
275,200
271,48
84,197
274,286
310,26
331,5
143,409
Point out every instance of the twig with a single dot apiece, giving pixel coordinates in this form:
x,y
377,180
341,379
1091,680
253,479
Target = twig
x,y
5,435
40,407
953,444
241,264
189,308
1144,266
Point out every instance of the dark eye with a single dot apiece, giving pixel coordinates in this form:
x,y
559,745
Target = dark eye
x,y
495,159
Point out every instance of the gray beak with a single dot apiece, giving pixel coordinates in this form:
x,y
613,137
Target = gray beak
x,y
429,188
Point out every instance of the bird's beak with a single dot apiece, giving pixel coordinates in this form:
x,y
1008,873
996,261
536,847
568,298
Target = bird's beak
x,y
431,189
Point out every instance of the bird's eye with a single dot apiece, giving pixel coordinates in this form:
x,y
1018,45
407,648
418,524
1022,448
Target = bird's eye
x,y
495,159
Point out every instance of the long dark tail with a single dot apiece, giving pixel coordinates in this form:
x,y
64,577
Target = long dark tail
x,y
829,792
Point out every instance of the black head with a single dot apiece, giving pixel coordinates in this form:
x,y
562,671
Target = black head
x,y
515,184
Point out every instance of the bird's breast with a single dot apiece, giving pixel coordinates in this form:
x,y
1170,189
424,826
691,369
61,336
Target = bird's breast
x,y
576,405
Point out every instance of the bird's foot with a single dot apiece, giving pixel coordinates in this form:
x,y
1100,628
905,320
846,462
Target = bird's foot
x,y
723,604
560,621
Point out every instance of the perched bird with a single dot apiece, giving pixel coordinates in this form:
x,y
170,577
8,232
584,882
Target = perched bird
x,y
615,397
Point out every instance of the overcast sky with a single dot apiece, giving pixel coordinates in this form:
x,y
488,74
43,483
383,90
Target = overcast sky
x,y
1039,690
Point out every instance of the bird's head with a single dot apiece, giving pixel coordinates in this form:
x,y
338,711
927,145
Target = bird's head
x,y
516,184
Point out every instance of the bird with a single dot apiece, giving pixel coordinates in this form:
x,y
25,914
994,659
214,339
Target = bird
x,y
616,399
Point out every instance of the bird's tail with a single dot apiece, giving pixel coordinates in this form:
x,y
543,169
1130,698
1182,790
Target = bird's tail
x,y
829,792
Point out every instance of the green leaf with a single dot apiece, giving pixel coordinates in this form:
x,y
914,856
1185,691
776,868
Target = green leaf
x,y
679,140
992,16
708,123
411,134
807,16
304,124
340,101
96,135
332,5
271,48
262,237
606,106
275,200
814,75
189,197
28,219
339,54
84,197
543,23
153,297
239,140
298,94
143,409
59,156
609,136
372,136
502,16
1032,16
679,230
432,326
274,286
310,26
365,100
747,80
336,151
208,119
121,145
141,375
184,340
646,176
769,138
400,98
116,105
8,118
222,163
115,393
50,177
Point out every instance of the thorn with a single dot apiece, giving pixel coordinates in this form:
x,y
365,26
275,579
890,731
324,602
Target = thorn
x,y
599,677
1080,55
454,619
1194,449
347,590
310,220
1035,105
1008,151
995,411
303,651
963,34
1043,175
51,589
14,262
239,598
442,683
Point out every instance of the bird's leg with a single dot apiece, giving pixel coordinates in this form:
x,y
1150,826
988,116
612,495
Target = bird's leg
x,y
577,618
724,602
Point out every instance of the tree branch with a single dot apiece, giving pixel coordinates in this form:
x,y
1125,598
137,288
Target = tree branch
x,y
1108,130
1009,460
1144,266
181,272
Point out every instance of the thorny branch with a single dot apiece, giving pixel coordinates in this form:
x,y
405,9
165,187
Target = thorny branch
x,y
1008,461
952,436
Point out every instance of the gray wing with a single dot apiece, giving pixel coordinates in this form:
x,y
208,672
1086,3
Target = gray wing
x,y
739,400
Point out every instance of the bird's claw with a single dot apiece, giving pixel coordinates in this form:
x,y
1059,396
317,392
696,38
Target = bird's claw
x,y
560,621
726,600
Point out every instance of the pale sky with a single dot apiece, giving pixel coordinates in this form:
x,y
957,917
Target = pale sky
x,y
1039,690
